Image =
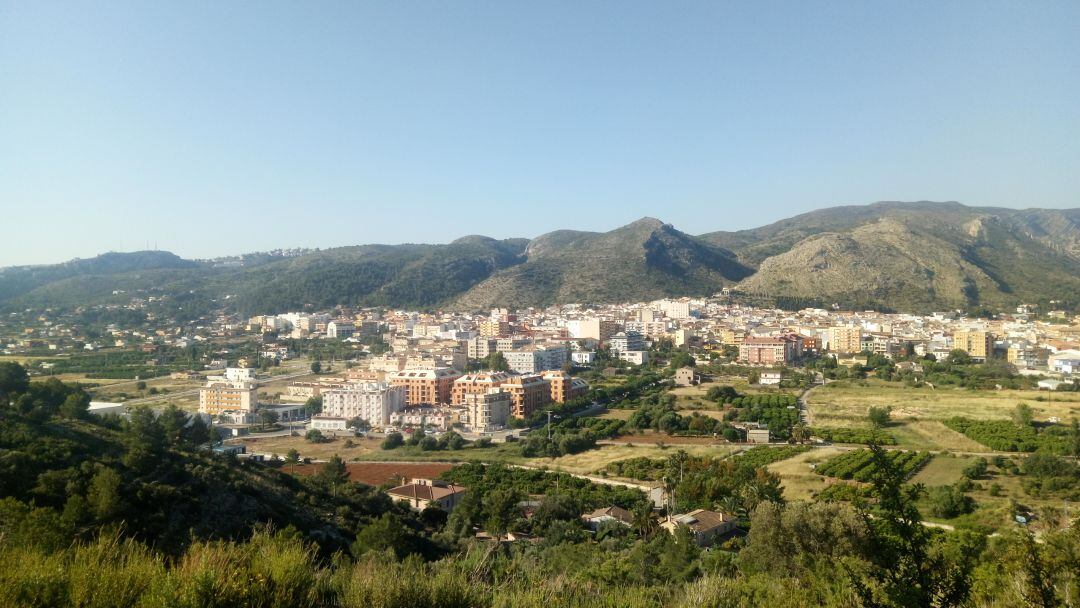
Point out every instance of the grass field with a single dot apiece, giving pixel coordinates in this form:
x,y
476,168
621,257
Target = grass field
x,y
693,397
28,359
366,449
651,437
942,470
917,412
843,404
932,435
315,451
593,461
799,480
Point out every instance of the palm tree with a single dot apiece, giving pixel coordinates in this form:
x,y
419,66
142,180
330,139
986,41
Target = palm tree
x,y
644,523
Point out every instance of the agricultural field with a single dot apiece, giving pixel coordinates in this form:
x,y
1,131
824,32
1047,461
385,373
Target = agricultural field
x,y
650,437
591,461
367,449
846,404
693,397
378,473
942,470
919,414
616,414
797,475
858,465
281,445
931,435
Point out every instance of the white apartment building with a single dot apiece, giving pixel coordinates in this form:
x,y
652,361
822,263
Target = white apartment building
x,y
487,411
535,359
626,341
583,357
340,329
595,328
371,401
239,374
674,309
635,357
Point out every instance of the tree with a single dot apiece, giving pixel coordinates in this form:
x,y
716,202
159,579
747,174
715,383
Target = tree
x,y
315,436
358,424
292,456
949,502
1023,415
197,433
453,441
313,406
172,420
316,367
959,357
556,507
879,416
682,359
721,394
388,532
644,524
800,433
13,381
144,439
976,469
75,405
905,565
496,362
392,441
104,493
500,508
333,473
268,418
416,437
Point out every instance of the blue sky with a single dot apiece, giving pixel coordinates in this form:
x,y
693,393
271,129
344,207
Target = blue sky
x,y
211,128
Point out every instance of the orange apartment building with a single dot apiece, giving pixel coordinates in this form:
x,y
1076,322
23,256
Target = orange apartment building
x,y
218,397
476,384
528,393
565,387
493,328
767,350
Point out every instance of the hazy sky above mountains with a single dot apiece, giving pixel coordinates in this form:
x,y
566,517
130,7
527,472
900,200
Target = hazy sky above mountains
x,y
213,128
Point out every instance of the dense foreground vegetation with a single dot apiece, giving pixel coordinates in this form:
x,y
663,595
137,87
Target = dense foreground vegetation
x,y
102,513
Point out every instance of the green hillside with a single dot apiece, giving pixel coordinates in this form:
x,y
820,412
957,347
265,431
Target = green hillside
x,y
914,256
902,256
643,260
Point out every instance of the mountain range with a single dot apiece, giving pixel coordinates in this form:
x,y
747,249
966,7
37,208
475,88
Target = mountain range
x,y
903,256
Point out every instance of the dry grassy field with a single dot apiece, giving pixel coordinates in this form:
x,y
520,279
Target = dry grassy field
x,y
593,461
650,437
378,473
942,470
847,405
799,480
316,451
932,435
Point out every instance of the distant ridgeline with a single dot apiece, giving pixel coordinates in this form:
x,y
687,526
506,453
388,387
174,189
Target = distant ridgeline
x,y
915,257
